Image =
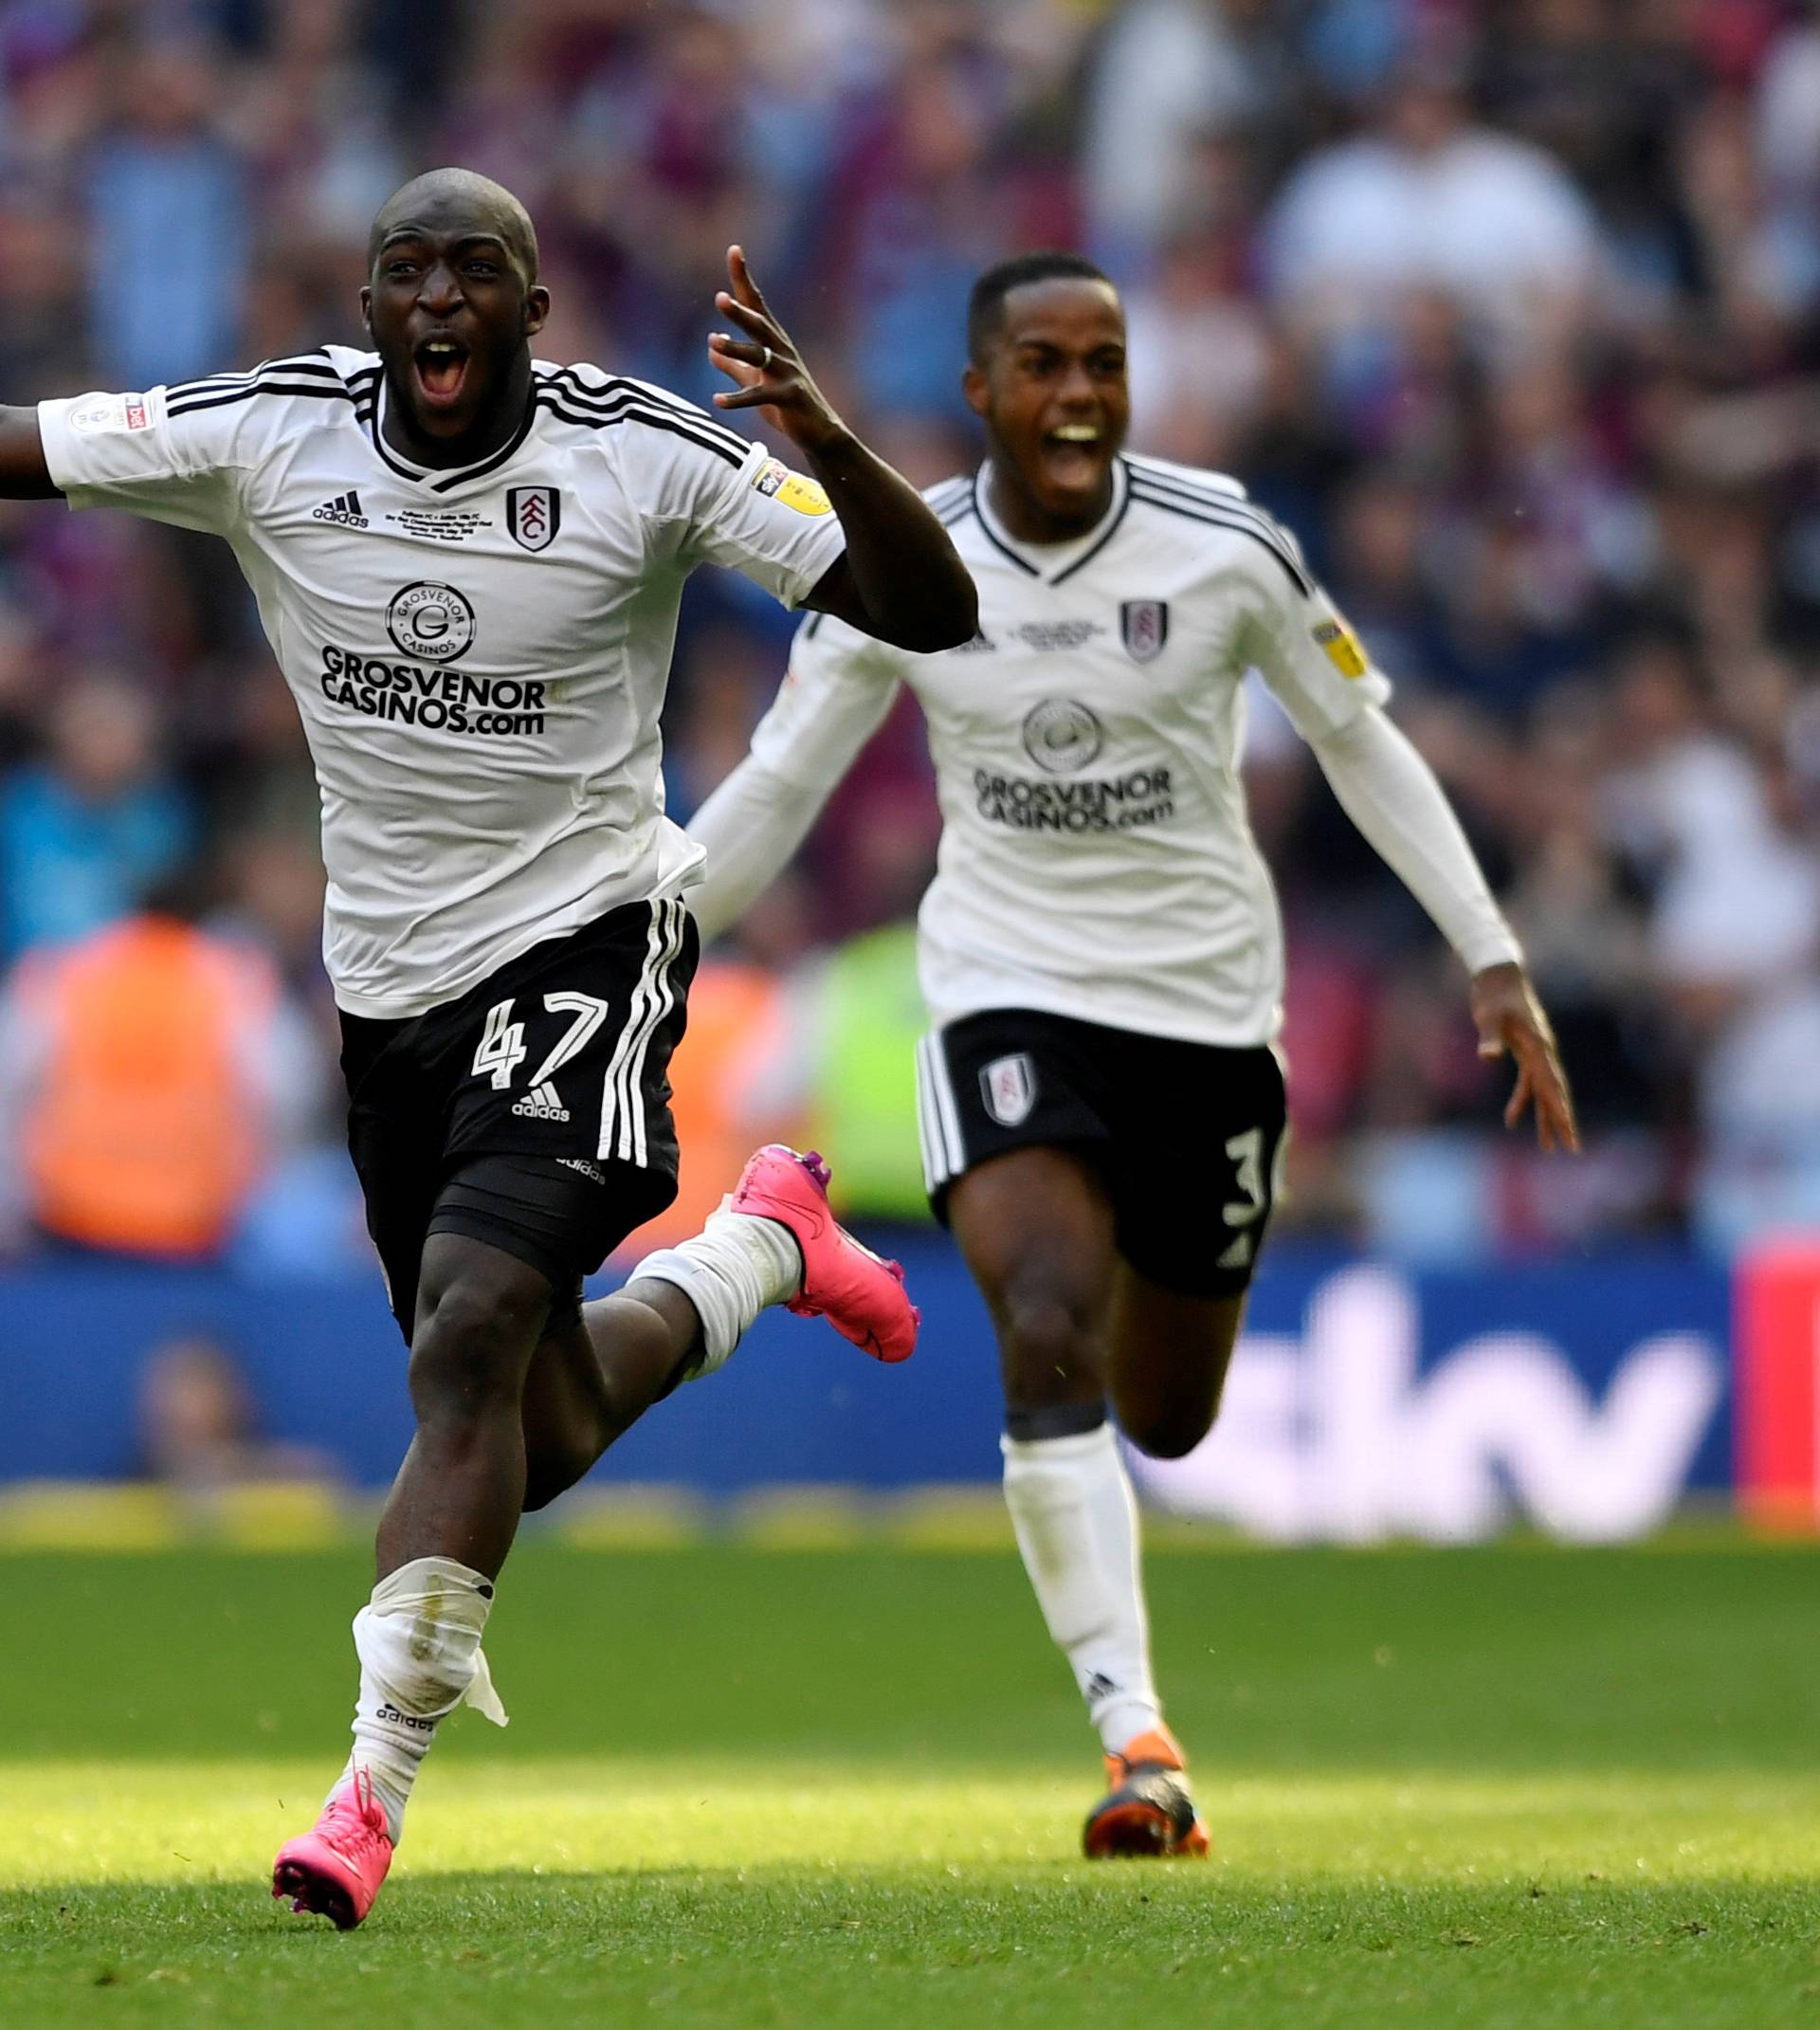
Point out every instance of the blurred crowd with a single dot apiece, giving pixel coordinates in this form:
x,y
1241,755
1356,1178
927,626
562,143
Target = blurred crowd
x,y
1511,310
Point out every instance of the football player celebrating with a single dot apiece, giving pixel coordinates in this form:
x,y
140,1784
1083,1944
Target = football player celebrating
x,y
469,564
1102,1100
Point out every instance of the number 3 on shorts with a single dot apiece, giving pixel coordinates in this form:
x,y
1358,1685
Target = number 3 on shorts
x,y
501,1047
1247,1152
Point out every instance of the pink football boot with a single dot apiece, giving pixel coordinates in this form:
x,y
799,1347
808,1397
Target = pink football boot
x,y
859,1294
337,1867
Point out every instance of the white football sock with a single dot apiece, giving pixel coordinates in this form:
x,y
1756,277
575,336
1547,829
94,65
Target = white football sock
x,y
1077,1526
419,1644
737,1266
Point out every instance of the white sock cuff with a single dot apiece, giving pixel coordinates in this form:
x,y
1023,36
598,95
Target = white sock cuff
x,y
738,1264
450,1590
430,1668
724,1317
1080,1448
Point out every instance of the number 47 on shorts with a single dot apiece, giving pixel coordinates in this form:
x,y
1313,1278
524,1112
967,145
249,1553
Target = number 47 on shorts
x,y
501,1050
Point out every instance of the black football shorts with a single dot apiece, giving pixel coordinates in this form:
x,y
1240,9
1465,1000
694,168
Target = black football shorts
x,y
1188,1136
532,1113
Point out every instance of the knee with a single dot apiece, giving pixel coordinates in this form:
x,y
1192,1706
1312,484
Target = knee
x,y
1168,1435
1170,1425
468,1353
1052,1347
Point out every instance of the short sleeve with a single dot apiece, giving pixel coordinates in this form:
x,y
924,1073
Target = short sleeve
x,y
722,499
835,695
172,455
1301,644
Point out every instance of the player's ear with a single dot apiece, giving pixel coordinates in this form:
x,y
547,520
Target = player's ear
x,y
365,309
976,389
537,308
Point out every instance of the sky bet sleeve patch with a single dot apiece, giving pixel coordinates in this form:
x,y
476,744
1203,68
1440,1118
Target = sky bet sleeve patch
x,y
776,480
1341,648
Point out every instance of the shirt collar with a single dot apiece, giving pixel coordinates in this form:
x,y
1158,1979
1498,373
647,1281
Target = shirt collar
x,y
443,479
1052,562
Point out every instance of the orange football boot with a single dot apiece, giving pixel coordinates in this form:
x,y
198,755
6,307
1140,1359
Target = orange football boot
x,y
1147,1809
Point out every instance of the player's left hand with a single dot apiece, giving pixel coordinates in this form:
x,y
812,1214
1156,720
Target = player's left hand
x,y
766,366
1511,1021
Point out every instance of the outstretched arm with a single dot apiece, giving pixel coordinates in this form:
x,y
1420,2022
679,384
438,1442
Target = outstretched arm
x,y
834,699
24,474
1391,794
901,579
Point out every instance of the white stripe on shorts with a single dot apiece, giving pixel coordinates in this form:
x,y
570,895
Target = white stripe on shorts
x,y
622,1112
944,1153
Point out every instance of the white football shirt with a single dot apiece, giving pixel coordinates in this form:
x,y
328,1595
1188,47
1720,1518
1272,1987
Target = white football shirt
x,y
478,655
1096,855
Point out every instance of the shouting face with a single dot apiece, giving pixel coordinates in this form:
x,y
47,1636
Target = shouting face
x,y
1049,385
452,302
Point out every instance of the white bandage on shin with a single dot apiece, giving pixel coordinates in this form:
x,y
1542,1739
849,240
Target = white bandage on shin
x,y
737,1266
1077,1526
419,1644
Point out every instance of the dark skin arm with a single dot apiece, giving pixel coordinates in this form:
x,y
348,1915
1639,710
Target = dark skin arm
x,y
1511,1021
901,581
24,475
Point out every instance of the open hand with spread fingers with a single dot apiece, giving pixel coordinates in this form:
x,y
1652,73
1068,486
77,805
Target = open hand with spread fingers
x,y
766,365
1512,1022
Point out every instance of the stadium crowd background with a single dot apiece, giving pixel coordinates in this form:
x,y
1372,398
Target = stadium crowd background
x,y
1511,311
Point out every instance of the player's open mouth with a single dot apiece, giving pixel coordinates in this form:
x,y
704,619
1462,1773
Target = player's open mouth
x,y
442,371
1075,453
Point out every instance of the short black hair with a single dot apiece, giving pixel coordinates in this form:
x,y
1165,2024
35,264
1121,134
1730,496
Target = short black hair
x,y
986,304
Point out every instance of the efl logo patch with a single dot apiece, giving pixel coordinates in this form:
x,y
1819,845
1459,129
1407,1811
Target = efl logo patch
x,y
777,481
533,516
1008,1085
105,413
1143,623
1341,648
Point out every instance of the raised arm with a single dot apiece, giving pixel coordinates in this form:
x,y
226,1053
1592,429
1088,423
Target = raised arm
x,y
1391,794
1319,672
24,474
901,580
834,699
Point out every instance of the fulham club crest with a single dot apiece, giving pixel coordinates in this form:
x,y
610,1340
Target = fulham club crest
x,y
1008,1085
1144,625
533,514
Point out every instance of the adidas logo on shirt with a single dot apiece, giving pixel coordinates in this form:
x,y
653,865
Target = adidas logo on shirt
x,y
344,510
544,1104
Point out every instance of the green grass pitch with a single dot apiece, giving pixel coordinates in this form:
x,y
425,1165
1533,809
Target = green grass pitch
x,y
1512,1787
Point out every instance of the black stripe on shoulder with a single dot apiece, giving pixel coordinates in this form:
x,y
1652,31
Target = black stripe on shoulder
x,y
815,620
1239,525
304,366
958,514
308,391
944,493
610,408
614,389
663,419
1211,496
1161,474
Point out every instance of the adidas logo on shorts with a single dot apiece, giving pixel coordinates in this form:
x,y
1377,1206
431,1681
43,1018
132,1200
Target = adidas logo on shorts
x,y
344,509
543,1104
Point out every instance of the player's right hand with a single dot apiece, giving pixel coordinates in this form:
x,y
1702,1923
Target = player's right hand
x,y
766,366
1511,1021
